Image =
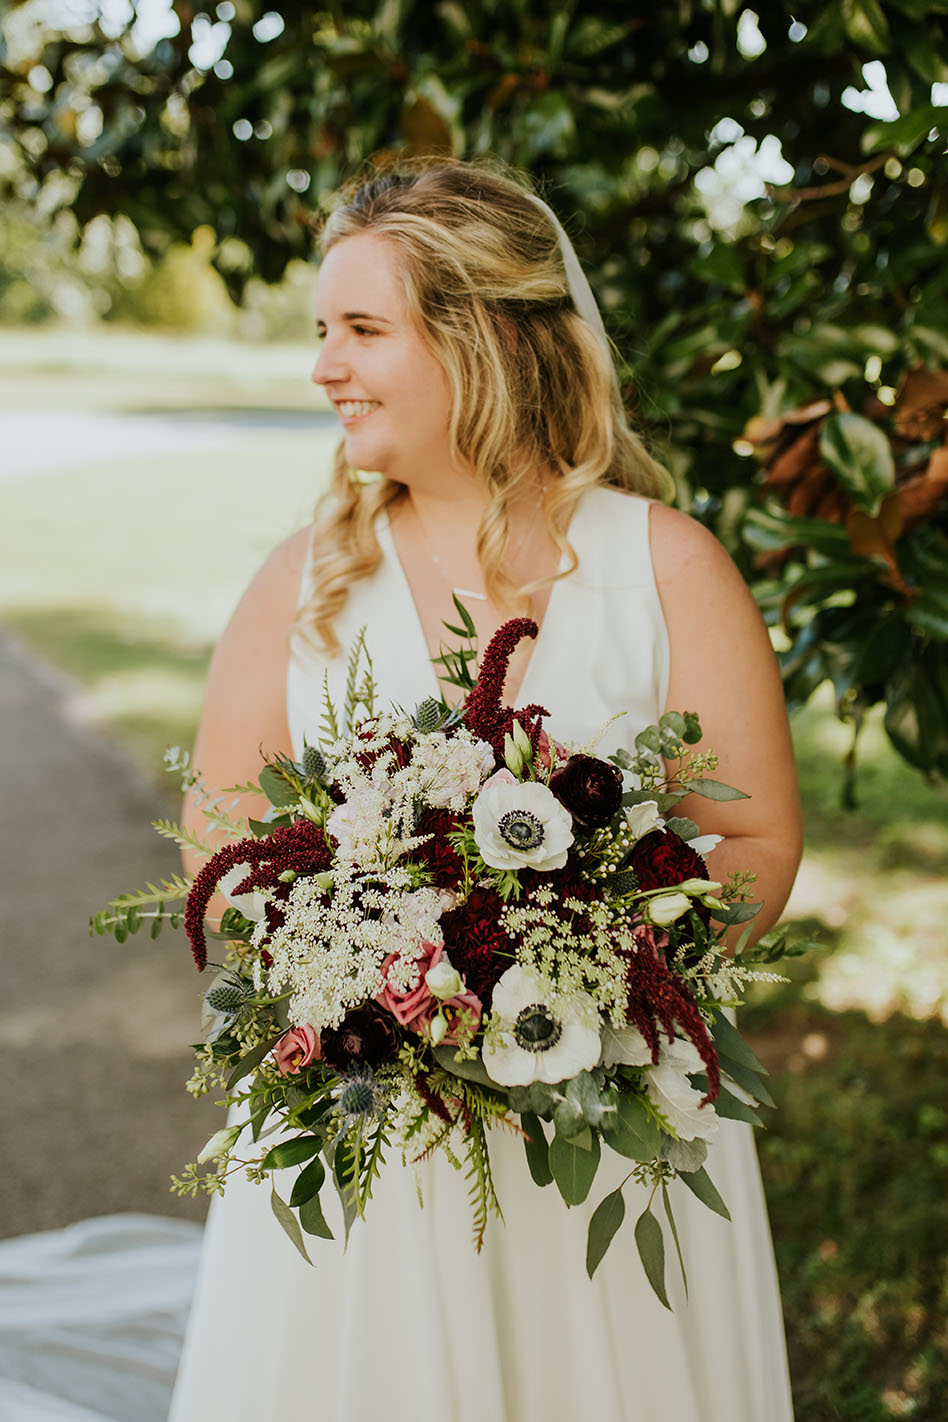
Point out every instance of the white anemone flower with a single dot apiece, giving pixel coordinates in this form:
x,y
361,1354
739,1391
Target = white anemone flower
x,y
537,1034
667,1084
252,905
521,825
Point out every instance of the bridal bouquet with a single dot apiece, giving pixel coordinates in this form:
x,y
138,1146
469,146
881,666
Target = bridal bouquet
x,y
450,922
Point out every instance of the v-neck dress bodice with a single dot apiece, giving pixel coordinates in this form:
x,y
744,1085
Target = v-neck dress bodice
x,y
408,1322
602,645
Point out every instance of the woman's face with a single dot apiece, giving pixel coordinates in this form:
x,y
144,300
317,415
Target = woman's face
x,y
389,391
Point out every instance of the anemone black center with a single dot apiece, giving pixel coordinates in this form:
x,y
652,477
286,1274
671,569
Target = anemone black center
x,y
536,1029
521,830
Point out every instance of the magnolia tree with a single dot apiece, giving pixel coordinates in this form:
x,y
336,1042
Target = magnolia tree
x,y
760,199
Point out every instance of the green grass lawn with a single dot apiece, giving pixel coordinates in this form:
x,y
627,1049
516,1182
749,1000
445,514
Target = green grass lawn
x,y
123,576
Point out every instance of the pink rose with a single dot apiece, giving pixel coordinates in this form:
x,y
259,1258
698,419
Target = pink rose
x,y
405,1004
417,1006
543,756
463,1010
295,1050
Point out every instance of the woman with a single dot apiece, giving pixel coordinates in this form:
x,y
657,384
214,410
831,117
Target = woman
x,y
465,376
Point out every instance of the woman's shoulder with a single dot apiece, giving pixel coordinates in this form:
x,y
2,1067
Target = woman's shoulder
x,y
686,553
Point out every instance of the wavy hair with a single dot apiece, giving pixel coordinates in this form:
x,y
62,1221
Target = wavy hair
x,y
532,386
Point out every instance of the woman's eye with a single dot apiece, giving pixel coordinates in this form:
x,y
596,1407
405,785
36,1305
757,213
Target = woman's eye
x,y
365,331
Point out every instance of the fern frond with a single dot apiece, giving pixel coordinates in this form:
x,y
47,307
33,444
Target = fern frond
x,y
371,1166
185,839
359,694
481,1191
174,889
329,721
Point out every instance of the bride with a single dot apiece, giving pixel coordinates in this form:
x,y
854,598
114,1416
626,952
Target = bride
x,y
485,455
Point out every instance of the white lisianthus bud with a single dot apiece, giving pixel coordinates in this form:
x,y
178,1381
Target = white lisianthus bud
x,y
522,742
698,886
643,818
220,1143
289,876
324,881
307,808
438,1029
513,756
443,981
663,909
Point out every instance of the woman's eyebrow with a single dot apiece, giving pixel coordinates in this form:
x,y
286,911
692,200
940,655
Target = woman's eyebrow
x,y
357,316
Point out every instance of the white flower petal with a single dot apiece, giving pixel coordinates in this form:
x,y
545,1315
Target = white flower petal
x,y
498,802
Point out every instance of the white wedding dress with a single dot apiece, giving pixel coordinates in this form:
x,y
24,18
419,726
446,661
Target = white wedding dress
x,y
408,1321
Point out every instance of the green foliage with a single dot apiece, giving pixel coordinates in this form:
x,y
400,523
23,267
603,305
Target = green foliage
x,y
830,277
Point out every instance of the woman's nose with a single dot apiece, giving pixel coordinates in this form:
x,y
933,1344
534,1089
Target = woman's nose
x,y
329,368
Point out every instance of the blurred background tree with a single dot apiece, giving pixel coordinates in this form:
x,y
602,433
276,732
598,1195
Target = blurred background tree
x,y
759,196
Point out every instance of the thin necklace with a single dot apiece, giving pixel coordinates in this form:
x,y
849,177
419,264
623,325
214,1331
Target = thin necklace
x,y
469,592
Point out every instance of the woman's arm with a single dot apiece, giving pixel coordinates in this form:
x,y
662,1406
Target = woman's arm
x,y
245,701
723,668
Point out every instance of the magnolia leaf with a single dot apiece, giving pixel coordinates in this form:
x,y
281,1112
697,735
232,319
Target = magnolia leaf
x,y
859,454
293,1152
289,1222
651,1247
746,1079
607,1217
538,1152
630,1131
312,1218
730,1043
574,1168
715,790
700,1184
308,1183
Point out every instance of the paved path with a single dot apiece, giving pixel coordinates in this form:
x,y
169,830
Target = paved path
x,y
93,1035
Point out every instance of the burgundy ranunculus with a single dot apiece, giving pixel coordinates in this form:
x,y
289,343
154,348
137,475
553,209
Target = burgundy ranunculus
x,y
661,859
591,789
475,942
367,1034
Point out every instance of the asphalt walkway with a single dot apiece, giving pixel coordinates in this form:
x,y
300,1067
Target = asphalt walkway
x,y
93,1035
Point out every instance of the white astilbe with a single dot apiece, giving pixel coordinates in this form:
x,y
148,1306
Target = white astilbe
x,y
330,955
581,956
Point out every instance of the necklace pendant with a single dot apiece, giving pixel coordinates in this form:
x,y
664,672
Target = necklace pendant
x,y
468,592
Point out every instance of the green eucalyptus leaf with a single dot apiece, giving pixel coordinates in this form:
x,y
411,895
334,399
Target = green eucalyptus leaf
x,y
308,1183
276,789
630,1131
715,790
289,1222
472,1069
651,1247
700,1184
574,1167
537,1149
312,1218
606,1220
251,1059
294,1152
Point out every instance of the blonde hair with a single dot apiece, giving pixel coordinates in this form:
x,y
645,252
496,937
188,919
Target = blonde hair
x,y
532,385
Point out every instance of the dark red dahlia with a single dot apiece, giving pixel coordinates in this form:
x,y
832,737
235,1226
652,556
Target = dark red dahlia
x,y
662,859
367,759
439,857
367,1034
476,943
590,788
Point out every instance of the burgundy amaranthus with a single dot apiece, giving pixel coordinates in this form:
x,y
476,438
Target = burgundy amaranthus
x,y
300,846
484,714
657,1000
